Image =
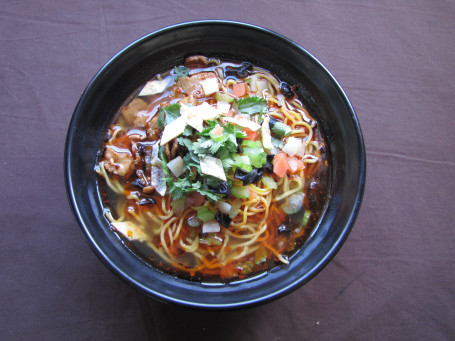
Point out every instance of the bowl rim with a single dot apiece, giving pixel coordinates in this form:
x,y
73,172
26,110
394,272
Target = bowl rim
x,y
189,303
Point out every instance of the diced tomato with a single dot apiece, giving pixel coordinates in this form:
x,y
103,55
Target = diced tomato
x,y
251,135
239,89
280,164
230,113
217,130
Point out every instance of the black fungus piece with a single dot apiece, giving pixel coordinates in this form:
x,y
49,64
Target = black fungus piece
x,y
268,166
240,72
239,145
146,201
138,183
248,178
286,89
284,228
145,150
272,122
223,219
222,188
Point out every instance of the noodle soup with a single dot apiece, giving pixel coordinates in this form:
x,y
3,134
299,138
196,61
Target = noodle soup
x,y
213,171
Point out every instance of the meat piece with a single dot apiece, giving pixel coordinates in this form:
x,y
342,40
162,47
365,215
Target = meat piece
x,y
196,61
192,85
188,100
175,146
141,118
153,132
170,149
130,111
118,161
167,151
148,189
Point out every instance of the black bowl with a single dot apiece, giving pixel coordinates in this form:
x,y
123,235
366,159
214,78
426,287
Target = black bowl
x,y
162,50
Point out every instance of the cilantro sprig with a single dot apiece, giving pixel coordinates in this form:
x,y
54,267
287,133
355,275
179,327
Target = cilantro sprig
x,y
251,105
168,114
180,71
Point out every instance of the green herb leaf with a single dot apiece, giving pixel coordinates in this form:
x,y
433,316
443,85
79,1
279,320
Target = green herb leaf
x,y
281,129
188,131
181,71
168,114
204,214
251,105
241,192
277,143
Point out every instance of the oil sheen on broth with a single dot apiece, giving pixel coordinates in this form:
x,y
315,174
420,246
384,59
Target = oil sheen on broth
x,y
213,171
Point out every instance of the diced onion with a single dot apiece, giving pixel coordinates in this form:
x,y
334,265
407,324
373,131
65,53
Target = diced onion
x,y
211,226
176,166
155,87
294,146
223,107
210,85
129,230
224,207
212,166
157,175
293,204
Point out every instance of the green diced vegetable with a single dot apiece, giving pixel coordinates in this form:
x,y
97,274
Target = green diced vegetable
x,y
248,143
281,129
256,155
306,217
204,214
222,96
269,182
235,207
243,162
260,255
241,192
210,241
215,241
246,267
293,204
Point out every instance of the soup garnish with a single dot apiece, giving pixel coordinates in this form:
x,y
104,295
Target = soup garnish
x,y
213,171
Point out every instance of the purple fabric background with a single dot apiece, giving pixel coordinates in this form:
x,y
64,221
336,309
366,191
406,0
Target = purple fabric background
x,y
394,277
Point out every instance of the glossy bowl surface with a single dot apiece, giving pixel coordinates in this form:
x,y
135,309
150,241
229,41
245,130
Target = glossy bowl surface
x,y
160,51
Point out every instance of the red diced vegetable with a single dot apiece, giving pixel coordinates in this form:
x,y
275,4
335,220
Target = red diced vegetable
x,y
239,89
